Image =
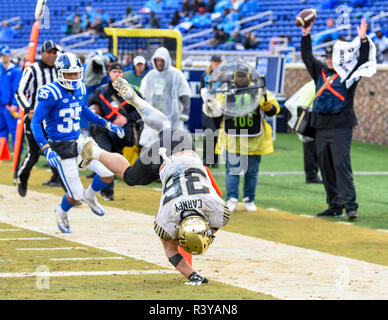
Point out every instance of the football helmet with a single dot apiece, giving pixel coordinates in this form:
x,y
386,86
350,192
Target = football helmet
x,y
194,234
65,64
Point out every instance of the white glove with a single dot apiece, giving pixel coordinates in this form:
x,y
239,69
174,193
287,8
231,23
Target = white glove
x,y
183,117
210,107
52,157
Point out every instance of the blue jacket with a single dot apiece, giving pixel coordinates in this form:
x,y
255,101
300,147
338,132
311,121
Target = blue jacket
x,y
9,82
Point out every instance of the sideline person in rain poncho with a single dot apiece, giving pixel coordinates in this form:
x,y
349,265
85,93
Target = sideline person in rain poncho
x,y
167,89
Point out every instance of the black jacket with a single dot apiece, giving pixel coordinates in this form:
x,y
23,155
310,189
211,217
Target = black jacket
x,y
346,118
107,94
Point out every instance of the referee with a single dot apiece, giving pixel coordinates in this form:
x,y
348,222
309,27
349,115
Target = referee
x,y
36,75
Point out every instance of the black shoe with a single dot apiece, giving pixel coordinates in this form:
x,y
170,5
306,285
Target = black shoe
x,y
22,189
109,197
47,183
55,184
215,166
334,213
352,214
313,180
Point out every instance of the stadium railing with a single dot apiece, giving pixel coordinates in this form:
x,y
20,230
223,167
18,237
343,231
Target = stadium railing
x,y
239,22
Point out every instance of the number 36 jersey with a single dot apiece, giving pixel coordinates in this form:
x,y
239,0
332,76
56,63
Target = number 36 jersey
x,y
186,186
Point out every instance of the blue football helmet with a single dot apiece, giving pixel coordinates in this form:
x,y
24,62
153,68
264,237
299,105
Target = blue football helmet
x,y
65,64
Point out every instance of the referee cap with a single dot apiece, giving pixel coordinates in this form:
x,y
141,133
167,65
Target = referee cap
x,y
48,45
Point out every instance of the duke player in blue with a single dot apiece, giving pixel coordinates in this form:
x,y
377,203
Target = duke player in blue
x,y
61,104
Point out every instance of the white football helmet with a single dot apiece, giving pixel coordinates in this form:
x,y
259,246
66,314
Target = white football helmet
x,y
194,234
65,64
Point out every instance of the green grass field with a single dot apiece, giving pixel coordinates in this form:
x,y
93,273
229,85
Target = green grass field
x,y
287,193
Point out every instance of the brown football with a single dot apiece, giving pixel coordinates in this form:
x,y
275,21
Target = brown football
x,y
305,17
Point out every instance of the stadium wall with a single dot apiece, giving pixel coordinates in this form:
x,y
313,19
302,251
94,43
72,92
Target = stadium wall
x,y
370,103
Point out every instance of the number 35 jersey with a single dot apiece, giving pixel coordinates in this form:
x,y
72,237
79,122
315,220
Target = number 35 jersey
x,y
186,186
63,119
60,111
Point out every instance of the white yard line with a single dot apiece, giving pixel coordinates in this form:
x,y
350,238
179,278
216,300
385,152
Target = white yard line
x,y
283,271
82,273
24,239
48,249
86,259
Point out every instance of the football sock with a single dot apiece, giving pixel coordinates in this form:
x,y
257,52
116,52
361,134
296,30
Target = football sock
x,y
66,205
97,185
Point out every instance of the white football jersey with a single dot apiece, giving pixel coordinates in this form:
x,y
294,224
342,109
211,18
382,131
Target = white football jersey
x,y
187,186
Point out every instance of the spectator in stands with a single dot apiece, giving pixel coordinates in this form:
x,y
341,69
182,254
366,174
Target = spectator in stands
x,y
6,33
95,70
381,42
186,7
175,19
210,6
129,13
154,20
197,4
104,16
77,24
210,157
219,37
140,69
249,7
154,5
98,26
127,61
167,89
330,33
68,28
234,42
88,17
104,102
250,40
10,75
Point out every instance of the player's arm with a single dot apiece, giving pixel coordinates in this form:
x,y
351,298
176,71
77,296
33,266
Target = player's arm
x,y
23,89
312,64
180,263
45,103
100,121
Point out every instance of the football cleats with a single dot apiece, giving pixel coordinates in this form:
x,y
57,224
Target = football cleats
x,y
65,64
194,234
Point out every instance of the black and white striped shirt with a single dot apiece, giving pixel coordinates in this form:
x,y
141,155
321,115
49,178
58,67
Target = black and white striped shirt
x,y
36,75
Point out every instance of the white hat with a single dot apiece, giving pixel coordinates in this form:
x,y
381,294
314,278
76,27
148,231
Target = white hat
x,y
139,59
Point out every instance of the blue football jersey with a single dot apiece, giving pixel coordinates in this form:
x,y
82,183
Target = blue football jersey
x,y
60,111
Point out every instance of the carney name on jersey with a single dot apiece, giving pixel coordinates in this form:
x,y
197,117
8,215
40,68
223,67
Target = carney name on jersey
x,y
187,187
61,110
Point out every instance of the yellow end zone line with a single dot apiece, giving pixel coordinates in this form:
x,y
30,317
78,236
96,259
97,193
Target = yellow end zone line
x,y
83,273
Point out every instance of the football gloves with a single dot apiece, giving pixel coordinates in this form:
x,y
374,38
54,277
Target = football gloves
x,y
266,106
116,129
196,280
52,157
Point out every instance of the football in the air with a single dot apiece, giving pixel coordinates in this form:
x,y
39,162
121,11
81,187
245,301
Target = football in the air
x,y
305,17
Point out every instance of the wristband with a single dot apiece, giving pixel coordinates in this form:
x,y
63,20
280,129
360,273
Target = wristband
x,y
45,147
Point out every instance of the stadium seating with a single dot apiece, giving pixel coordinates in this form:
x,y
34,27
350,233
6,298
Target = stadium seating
x,y
284,13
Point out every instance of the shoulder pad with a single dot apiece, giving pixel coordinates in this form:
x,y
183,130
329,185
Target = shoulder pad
x,y
49,92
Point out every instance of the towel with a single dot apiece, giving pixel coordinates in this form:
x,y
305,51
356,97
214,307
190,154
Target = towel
x,y
345,55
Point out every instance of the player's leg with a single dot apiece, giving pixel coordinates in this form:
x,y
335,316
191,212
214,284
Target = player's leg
x,y
102,178
150,115
115,162
68,171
